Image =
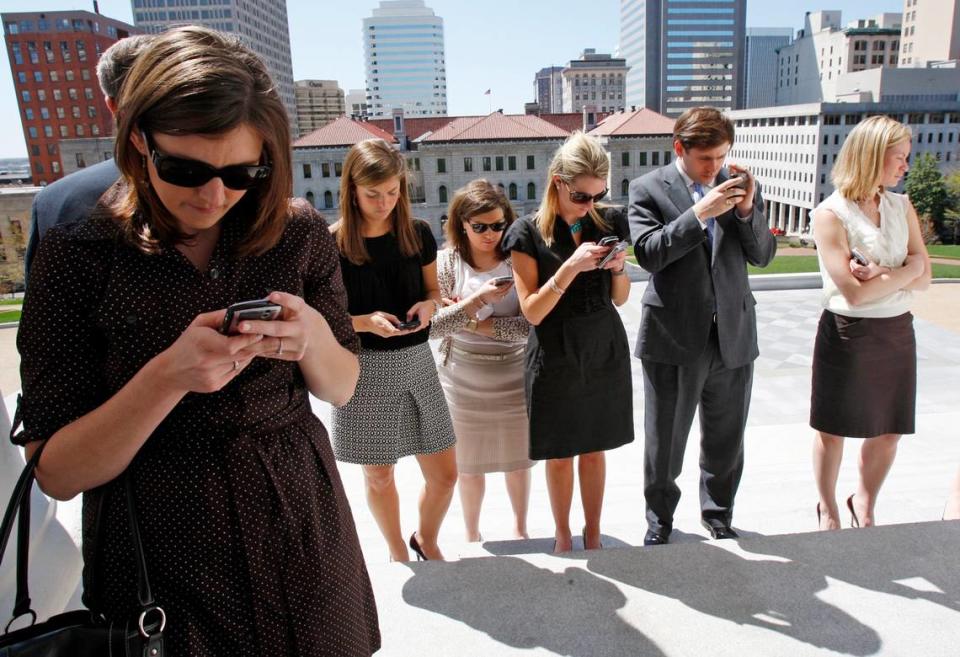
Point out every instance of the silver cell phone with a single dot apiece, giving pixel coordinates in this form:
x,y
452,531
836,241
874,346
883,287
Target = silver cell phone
x,y
859,257
609,240
500,281
617,248
257,309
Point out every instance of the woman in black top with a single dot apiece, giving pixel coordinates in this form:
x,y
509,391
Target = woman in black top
x,y
390,271
247,533
578,381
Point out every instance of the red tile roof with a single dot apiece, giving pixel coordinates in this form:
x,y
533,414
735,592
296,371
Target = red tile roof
x,y
569,121
415,127
497,126
627,124
343,132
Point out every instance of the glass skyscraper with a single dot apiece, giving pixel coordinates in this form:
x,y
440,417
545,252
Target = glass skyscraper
x,y
405,64
683,53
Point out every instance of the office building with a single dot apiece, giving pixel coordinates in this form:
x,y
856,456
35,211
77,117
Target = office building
x,y
355,103
931,33
405,62
595,80
261,25
683,53
760,64
53,59
792,149
548,90
810,69
318,103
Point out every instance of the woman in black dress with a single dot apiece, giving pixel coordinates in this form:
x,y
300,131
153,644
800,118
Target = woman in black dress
x,y
579,392
248,537
389,263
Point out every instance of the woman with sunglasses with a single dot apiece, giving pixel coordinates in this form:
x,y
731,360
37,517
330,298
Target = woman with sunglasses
x,y
247,534
578,381
389,263
481,366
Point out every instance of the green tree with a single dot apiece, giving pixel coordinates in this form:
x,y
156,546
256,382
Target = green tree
x,y
926,188
951,214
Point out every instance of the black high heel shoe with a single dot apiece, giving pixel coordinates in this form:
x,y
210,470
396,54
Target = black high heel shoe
x,y
854,520
415,546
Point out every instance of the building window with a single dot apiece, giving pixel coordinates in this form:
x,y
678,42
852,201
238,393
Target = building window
x,y
499,162
531,162
666,157
512,162
328,199
655,158
531,190
307,170
467,164
625,159
338,169
486,163
81,162
325,169
441,165
513,191
643,159
442,193
310,198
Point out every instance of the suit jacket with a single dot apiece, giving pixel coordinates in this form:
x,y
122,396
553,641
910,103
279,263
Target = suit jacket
x,y
68,200
688,284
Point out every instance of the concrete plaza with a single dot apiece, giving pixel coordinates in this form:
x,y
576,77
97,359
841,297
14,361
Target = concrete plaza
x,y
780,590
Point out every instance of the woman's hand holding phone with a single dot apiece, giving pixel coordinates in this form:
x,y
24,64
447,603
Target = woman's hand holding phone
x,y
586,257
423,311
204,360
288,336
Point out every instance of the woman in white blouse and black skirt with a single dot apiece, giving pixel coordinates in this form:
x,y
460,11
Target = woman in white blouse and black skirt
x,y
872,258
484,338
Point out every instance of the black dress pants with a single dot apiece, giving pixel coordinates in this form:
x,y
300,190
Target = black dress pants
x,y
672,393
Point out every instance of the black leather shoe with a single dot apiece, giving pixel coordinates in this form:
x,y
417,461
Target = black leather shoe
x,y
718,530
653,538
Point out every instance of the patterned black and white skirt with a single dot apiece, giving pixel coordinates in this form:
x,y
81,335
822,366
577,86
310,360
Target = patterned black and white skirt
x,y
398,409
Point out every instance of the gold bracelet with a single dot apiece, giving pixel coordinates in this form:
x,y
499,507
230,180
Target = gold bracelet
x,y
472,325
552,284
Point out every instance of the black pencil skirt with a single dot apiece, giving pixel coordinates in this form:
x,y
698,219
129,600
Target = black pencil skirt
x,y
864,376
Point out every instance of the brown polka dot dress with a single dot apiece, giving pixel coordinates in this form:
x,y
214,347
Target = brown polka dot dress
x,y
250,543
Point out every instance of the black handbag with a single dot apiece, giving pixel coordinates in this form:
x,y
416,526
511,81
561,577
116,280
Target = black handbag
x,y
79,633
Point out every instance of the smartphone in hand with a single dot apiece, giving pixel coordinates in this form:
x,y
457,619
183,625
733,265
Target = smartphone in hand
x,y
609,240
257,309
617,248
501,281
858,256
409,324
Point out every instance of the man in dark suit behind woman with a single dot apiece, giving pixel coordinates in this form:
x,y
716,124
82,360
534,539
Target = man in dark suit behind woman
x,y
695,226
71,198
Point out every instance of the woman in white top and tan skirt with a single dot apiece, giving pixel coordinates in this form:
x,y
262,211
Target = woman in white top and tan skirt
x,y
872,259
481,355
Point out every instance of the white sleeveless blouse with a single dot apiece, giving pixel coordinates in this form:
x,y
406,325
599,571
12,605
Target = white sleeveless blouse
x,y
886,245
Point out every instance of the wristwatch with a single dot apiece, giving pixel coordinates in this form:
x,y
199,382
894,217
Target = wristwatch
x,y
472,325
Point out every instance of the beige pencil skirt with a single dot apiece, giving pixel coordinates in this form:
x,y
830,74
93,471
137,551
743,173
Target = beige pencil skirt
x,y
487,405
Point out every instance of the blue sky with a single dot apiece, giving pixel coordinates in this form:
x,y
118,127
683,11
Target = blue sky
x,y
490,44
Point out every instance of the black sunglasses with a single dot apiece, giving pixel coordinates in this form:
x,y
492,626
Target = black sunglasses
x,y
191,173
480,229
582,197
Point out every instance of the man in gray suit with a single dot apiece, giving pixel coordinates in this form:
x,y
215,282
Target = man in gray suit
x,y
695,226
71,198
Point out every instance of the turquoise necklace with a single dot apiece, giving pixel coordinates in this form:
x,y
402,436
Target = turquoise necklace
x,y
576,227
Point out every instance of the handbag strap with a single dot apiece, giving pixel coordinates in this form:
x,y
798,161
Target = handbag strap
x,y
19,507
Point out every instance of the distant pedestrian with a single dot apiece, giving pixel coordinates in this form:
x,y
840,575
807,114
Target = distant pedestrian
x,y
872,259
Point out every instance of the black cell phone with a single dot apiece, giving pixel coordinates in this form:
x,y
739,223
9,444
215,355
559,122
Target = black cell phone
x,y
500,281
742,179
411,324
859,257
618,247
257,309
609,240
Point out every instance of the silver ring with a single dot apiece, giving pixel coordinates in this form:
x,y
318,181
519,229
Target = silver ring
x,y
280,346
236,365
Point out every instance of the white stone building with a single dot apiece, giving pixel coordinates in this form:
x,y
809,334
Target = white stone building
x,y
596,80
